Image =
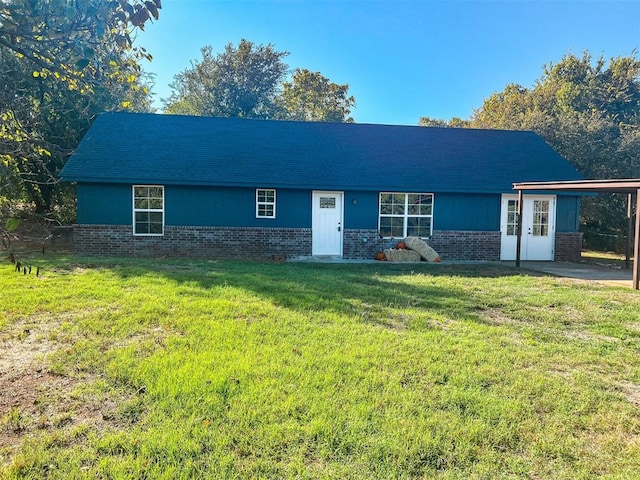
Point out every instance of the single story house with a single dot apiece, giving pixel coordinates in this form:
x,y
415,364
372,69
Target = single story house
x,y
171,185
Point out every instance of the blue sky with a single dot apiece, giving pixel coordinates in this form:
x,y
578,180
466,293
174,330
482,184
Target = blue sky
x,y
402,59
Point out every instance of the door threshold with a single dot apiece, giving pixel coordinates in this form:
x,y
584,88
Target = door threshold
x,y
317,258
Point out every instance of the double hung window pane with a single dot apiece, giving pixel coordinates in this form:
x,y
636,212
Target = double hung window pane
x,y
392,203
265,210
148,198
419,204
392,227
418,227
266,196
148,209
149,223
265,203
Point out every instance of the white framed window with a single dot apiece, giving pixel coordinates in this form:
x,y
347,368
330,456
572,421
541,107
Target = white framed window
x,y
512,217
265,203
540,227
148,210
405,215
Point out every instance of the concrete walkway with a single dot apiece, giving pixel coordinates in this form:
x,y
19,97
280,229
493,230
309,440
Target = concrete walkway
x,y
582,271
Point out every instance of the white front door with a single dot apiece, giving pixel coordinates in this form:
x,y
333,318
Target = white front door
x,y
538,227
326,223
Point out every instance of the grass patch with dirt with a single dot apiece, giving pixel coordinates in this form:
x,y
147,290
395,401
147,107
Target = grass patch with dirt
x,y
199,369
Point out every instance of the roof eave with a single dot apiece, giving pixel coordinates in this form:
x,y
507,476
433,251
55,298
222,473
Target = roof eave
x,y
299,186
621,185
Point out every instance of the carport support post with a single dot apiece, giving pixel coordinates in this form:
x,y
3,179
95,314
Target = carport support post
x,y
627,252
519,229
636,248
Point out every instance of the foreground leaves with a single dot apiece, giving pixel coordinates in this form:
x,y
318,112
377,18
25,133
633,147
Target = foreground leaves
x,y
65,37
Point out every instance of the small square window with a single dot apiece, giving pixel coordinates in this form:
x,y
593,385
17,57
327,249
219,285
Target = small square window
x,y
265,203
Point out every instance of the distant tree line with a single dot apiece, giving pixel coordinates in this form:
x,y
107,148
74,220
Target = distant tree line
x,y
588,111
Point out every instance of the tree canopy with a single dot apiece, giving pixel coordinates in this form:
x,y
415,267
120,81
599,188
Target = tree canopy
x,y
75,39
249,81
242,81
455,122
42,121
310,96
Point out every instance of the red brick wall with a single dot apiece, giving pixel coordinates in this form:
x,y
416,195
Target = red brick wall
x,y
210,242
466,245
568,246
268,243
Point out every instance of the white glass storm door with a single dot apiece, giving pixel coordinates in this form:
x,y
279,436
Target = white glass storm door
x,y
326,223
538,227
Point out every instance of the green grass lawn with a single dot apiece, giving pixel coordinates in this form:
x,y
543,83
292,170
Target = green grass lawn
x,y
199,369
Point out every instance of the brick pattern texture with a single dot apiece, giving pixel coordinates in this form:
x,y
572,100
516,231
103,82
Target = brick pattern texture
x,y
568,246
208,242
466,245
281,243
361,243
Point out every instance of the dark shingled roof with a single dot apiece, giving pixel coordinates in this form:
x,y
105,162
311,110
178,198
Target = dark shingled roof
x,y
185,150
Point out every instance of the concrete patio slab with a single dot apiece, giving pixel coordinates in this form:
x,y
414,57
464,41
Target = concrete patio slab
x,y
589,272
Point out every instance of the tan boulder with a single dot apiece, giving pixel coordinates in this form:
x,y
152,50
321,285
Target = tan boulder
x,y
399,255
423,248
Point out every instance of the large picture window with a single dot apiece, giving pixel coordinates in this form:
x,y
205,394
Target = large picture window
x,y
148,210
406,215
265,203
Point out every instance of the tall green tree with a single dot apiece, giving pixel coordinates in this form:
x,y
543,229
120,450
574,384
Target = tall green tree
x,y
310,96
61,62
249,81
42,120
589,111
242,81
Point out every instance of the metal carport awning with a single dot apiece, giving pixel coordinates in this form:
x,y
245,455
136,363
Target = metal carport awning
x,y
630,186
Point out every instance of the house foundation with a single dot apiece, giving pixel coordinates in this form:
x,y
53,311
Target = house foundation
x,y
281,243
196,242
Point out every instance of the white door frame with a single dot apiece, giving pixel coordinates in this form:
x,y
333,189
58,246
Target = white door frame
x,y
327,233
534,245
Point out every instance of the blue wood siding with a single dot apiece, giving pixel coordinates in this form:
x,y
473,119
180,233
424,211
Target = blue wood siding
x,y
466,212
201,206
568,214
364,212
235,207
104,204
